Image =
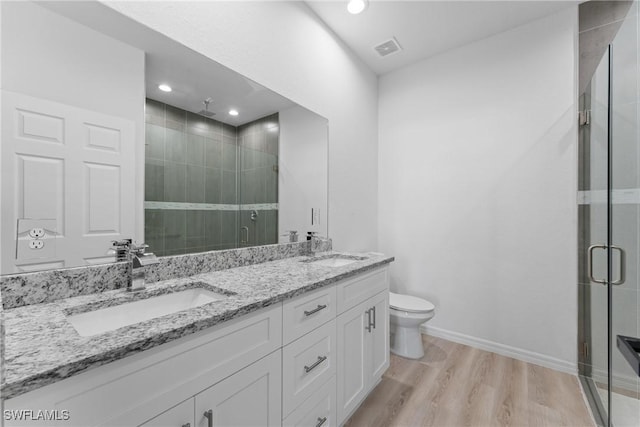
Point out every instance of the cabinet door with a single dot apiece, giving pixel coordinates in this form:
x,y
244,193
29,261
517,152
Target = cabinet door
x,y
352,356
250,397
179,416
379,337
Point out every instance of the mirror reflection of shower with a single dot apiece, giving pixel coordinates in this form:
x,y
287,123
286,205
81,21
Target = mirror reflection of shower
x,y
208,185
206,111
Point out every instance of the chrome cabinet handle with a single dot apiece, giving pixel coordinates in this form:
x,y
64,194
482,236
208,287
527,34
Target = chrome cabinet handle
x,y
321,359
321,421
590,263
315,310
374,316
368,327
209,416
623,266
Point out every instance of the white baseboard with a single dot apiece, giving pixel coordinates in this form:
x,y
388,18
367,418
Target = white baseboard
x,y
619,380
504,350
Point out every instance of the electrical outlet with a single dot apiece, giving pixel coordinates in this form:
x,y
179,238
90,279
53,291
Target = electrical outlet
x,y
36,239
36,244
36,233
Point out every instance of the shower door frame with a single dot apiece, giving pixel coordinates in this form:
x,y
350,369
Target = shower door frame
x,y
601,414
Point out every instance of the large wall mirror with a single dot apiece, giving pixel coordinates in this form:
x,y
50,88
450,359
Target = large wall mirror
x,y
95,148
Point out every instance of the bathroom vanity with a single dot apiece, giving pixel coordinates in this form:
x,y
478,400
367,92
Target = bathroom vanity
x,y
298,341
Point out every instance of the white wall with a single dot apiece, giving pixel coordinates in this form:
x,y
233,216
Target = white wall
x,y
477,189
302,177
48,56
285,47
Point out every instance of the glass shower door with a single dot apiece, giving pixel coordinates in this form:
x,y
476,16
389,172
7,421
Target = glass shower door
x,y
624,220
609,217
593,210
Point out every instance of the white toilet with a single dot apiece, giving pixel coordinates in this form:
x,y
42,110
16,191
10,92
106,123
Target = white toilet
x,y
406,314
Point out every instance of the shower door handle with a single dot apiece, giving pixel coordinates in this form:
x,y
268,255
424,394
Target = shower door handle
x,y
590,263
623,266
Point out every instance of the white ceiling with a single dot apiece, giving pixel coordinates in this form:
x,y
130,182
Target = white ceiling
x,y
425,28
192,76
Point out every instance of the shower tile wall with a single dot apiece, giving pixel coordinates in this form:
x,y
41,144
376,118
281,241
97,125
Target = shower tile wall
x,y
258,147
189,159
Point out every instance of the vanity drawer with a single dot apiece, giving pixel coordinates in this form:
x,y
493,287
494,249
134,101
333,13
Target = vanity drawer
x,y
307,364
319,410
305,313
351,292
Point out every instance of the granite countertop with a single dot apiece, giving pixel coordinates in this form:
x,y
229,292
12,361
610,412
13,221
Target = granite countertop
x,y
42,347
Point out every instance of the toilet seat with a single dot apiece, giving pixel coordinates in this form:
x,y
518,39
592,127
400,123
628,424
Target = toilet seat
x,y
409,303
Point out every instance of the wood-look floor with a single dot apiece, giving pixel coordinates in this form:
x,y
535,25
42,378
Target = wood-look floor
x,y
457,385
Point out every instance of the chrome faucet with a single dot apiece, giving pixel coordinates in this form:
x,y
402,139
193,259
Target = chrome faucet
x,y
314,241
126,250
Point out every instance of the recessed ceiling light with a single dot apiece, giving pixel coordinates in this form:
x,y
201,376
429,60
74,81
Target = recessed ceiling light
x,y
164,87
233,112
357,6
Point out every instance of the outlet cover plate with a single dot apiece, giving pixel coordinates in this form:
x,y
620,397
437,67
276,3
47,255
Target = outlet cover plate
x,y
25,248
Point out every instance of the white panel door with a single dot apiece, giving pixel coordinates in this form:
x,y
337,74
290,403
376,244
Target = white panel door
x,y
71,165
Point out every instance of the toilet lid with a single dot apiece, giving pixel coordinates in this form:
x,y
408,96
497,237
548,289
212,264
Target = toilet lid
x,y
409,303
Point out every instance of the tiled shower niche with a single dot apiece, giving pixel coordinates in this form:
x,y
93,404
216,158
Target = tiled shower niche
x,y
208,185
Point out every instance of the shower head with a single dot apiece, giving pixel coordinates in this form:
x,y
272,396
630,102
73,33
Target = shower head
x,y
206,111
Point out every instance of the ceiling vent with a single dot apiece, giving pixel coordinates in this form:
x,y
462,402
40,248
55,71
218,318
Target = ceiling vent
x,y
388,47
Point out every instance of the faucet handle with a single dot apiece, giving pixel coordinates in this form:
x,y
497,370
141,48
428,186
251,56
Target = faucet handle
x,y
314,235
139,249
121,249
121,244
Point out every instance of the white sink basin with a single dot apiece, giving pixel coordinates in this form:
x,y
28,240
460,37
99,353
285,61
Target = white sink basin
x,y
111,318
334,262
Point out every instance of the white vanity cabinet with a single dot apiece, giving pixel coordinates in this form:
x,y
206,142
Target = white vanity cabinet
x,y
136,389
308,361
363,341
351,348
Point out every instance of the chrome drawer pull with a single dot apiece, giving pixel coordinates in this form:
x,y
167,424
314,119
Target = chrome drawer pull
x,y
315,310
186,425
321,359
374,316
209,416
321,421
